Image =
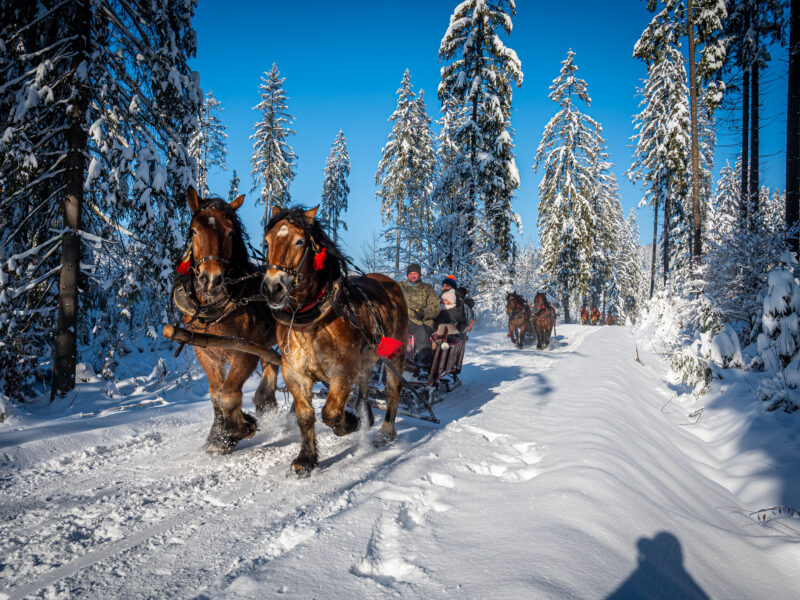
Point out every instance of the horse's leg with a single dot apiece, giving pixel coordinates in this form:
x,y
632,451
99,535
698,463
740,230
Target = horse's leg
x,y
362,396
387,432
300,388
334,414
215,372
237,425
264,398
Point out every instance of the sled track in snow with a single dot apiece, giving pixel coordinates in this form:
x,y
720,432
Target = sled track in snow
x,y
55,539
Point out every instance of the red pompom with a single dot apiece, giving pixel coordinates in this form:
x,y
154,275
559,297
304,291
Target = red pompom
x,y
389,348
319,259
185,267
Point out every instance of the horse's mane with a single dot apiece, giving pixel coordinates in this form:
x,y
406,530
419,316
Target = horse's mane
x,y
336,262
240,258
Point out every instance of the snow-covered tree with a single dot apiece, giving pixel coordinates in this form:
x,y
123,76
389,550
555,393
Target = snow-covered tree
x,y
452,233
273,161
480,74
663,142
779,343
97,104
233,190
334,186
740,253
405,175
207,146
566,213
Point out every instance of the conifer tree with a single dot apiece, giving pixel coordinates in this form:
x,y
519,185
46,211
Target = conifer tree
x,y
405,174
452,234
480,75
566,213
207,146
273,160
663,142
334,186
233,190
93,151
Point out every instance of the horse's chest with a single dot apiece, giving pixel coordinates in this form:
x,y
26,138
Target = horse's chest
x,y
309,356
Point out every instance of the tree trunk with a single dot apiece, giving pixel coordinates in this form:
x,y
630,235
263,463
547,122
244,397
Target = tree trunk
x,y
753,179
565,301
667,207
696,246
793,128
66,348
397,236
655,250
745,133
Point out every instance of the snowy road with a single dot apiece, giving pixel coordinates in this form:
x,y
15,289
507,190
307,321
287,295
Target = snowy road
x,y
568,473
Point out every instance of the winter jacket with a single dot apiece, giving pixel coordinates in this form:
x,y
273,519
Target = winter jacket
x,y
421,296
453,311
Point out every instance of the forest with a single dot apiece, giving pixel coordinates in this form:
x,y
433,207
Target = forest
x,y
104,126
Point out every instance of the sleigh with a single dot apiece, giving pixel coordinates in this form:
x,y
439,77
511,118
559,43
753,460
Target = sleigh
x,y
423,389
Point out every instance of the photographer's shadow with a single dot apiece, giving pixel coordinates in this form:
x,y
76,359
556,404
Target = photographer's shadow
x,y
660,573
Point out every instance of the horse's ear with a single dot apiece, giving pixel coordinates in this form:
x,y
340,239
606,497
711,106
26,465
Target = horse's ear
x,y
236,202
311,214
275,210
193,199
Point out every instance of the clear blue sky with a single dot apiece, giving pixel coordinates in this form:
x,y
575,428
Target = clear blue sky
x,y
343,62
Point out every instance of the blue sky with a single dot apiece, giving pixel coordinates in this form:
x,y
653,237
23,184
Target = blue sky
x,y
343,63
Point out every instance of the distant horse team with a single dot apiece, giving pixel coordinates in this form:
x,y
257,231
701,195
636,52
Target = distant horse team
x,y
539,319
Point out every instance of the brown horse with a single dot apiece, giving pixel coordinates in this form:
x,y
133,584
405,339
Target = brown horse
x,y
519,314
544,320
584,316
329,327
212,296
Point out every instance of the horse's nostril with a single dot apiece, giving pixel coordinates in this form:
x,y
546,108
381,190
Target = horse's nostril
x,y
216,281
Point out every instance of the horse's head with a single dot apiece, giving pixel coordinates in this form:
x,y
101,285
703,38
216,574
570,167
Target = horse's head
x,y
301,258
512,302
216,243
539,301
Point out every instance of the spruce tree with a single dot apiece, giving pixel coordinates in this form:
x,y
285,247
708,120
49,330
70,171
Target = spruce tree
x,y
233,190
405,174
273,160
663,142
207,146
566,214
334,186
480,75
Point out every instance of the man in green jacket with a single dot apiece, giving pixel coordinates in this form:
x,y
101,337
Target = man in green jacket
x,y
423,308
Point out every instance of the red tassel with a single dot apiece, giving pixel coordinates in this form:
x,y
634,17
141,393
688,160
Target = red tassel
x,y
184,267
389,348
319,259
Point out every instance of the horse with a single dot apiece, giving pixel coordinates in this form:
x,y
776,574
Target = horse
x,y
217,281
331,328
544,320
584,315
519,314
594,316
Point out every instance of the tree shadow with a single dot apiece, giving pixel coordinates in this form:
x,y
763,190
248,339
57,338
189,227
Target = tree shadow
x,y
660,573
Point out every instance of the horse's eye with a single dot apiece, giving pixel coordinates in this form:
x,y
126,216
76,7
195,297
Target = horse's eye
x,y
300,242
193,231
230,233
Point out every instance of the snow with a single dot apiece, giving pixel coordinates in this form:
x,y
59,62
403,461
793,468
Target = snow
x,y
568,473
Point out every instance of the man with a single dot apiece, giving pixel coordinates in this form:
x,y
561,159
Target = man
x,y
423,308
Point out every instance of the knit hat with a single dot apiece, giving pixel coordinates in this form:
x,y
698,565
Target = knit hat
x,y
450,280
413,268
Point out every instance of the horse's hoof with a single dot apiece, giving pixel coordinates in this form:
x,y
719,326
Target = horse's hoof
x,y
382,439
218,447
302,468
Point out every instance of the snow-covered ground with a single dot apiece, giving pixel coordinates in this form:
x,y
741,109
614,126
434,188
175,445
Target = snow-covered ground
x,y
569,473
